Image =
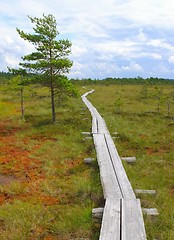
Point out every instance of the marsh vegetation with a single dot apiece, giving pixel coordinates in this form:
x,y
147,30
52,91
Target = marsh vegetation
x,y
46,190
145,126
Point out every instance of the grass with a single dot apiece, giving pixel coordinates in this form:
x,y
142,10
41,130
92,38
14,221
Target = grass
x,y
47,192
21,220
146,132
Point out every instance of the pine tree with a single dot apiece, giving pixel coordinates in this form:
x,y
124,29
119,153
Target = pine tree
x,y
50,61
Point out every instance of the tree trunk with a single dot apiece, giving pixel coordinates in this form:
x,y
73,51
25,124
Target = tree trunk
x,y
22,104
52,103
168,108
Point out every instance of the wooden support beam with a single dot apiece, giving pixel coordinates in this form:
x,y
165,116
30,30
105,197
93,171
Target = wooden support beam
x,y
115,137
129,159
97,213
150,211
87,138
84,119
115,133
81,238
86,133
89,160
142,191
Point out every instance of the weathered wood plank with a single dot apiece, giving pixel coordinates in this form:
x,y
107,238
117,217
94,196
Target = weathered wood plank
x,y
141,220
109,181
94,125
132,221
110,228
92,110
102,128
123,180
122,217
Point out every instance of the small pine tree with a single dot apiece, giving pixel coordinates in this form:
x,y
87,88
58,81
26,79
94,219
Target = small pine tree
x,y
50,60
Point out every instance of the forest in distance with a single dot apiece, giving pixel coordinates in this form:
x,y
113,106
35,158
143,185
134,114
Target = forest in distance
x,y
5,76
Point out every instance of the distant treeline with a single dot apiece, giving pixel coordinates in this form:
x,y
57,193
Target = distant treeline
x,y
122,81
5,77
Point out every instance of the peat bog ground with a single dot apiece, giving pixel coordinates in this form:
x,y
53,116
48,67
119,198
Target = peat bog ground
x,y
47,191
143,117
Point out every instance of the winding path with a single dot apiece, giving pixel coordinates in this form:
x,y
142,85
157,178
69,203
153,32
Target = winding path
x,y
122,216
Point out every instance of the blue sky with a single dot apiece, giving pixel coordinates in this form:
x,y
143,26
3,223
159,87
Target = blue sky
x,y
110,38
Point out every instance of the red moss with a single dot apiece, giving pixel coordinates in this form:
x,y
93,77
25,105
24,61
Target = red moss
x,y
2,199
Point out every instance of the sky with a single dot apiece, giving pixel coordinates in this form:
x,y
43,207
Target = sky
x,y
110,38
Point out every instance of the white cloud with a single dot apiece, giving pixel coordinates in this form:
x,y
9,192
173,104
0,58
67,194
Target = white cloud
x,y
141,36
78,50
133,67
160,43
149,12
12,49
155,56
77,70
163,69
171,59
122,48
11,60
150,55
107,67
104,34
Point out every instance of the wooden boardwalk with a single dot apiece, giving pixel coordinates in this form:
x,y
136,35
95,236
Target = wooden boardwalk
x,y
122,216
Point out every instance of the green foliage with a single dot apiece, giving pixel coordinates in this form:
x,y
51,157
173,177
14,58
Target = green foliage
x,y
16,83
4,77
50,60
123,81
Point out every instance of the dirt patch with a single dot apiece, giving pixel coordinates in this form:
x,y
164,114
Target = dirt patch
x,y
143,136
171,191
157,152
6,180
2,199
18,165
7,128
151,151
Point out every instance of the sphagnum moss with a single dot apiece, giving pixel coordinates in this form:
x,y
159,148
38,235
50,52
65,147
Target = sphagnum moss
x,y
55,190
